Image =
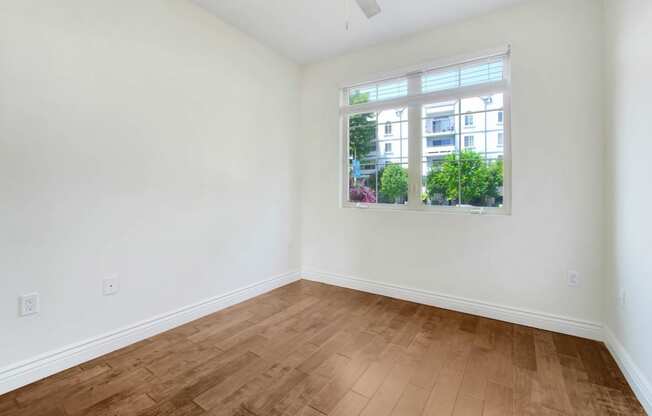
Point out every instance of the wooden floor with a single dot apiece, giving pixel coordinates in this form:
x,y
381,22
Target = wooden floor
x,y
312,350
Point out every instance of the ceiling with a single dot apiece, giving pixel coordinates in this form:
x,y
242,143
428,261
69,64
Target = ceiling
x,y
311,30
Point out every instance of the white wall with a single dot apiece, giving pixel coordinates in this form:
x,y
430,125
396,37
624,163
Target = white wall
x,y
132,142
629,197
558,171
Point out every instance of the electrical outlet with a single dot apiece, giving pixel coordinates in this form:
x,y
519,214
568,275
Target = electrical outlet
x,y
622,296
573,278
29,304
110,286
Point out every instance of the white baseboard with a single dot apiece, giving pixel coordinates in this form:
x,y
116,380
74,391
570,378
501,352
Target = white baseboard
x,y
535,319
29,371
639,383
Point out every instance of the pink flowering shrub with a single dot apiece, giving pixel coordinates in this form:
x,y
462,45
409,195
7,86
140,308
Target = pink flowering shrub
x,y
361,193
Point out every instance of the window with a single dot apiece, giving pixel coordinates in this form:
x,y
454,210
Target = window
x,y
429,163
388,128
442,141
441,125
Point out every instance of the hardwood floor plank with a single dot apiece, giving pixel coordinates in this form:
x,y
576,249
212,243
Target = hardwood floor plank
x,y
412,401
499,400
276,315
485,335
389,393
460,345
348,376
474,382
373,377
214,396
310,349
444,395
47,387
109,386
565,344
126,404
263,403
591,357
169,408
200,379
469,324
297,398
259,383
351,405
613,376
177,362
210,335
554,394
8,401
430,365
468,406
309,411
523,347
501,362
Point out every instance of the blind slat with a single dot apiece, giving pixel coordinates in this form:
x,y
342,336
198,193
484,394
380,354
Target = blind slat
x,y
487,70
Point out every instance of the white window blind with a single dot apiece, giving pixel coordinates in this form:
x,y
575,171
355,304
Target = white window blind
x,y
479,72
378,92
490,70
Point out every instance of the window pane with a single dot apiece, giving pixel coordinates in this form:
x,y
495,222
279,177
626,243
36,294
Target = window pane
x,y
378,91
440,80
481,164
481,181
462,165
489,70
441,181
440,125
378,157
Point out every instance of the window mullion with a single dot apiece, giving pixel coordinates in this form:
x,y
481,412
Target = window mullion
x,y
414,145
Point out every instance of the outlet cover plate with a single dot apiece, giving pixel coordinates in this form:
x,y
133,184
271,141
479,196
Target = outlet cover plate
x,y
29,304
573,278
110,286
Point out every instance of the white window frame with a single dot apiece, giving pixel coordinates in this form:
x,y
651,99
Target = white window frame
x,y
414,103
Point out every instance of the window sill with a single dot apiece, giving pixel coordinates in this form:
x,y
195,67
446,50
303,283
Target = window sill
x,y
429,209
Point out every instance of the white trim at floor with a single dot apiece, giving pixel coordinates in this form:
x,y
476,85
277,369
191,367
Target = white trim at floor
x,y
635,377
29,371
556,323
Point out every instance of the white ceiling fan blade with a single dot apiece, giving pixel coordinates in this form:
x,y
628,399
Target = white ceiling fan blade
x,y
369,7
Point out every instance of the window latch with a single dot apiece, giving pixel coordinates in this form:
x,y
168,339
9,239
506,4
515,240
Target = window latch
x,y
361,206
477,211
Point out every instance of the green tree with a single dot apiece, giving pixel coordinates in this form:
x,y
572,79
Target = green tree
x,y
496,175
394,182
465,177
374,184
362,130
